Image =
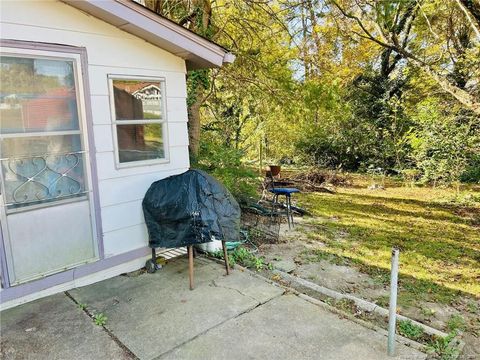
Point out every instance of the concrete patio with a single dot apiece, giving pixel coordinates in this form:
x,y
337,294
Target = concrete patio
x,y
156,316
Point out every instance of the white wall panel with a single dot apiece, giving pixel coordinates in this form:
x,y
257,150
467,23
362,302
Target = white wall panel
x,y
101,109
103,137
102,50
42,17
112,47
122,215
177,105
177,116
178,134
126,239
130,188
176,84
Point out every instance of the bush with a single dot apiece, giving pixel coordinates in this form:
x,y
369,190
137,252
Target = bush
x,y
225,164
472,172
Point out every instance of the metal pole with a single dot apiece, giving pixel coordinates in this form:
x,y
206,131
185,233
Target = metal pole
x,y
392,316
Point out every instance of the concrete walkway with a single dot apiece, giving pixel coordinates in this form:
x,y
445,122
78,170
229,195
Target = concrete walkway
x,y
155,316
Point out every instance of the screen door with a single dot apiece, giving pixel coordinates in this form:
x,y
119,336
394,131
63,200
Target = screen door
x,y
46,201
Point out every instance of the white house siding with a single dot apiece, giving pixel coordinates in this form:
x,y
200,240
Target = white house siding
x,y
110,51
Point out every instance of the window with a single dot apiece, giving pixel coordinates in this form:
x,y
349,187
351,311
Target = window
x,y
42,158
139,121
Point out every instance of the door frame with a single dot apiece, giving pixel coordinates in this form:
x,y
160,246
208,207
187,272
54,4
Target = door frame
x,y
86,110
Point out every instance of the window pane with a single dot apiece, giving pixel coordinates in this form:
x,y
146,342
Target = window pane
x,y
37,95
137,100
42,169
140,142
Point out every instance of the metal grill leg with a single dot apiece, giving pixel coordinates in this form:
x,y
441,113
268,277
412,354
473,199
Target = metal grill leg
x,y
190,265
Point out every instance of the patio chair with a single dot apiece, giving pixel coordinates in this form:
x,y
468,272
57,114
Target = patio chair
x,y
277,188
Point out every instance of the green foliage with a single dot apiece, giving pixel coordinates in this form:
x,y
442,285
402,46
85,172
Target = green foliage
x,y
82,306
196,79
410,330
305,87
472,171
442,144
245,257
225,164
100,319
444,348
456,322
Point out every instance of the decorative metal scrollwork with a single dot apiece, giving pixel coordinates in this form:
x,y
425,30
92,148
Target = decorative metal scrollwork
x,y
43,177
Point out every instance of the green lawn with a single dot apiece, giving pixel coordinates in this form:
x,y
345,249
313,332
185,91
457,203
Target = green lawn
x,y
439,242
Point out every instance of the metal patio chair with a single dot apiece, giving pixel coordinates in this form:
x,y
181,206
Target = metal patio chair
x,y
278,188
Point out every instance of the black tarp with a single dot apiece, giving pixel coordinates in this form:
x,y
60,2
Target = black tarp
x,y
189,209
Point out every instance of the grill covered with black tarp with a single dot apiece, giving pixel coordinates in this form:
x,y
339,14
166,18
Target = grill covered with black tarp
x,y
190,208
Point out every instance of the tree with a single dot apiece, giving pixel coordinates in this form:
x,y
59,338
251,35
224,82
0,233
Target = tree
x,y
378,21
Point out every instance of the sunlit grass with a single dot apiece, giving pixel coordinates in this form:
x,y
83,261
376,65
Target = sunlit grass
x,y
439,242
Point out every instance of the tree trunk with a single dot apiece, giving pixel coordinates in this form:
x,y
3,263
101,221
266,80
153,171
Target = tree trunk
x,y
194,124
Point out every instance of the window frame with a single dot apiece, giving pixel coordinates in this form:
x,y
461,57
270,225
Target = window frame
x,y
162,121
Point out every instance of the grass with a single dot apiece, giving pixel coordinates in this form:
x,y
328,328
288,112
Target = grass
x,y
244,257
439,240
410,330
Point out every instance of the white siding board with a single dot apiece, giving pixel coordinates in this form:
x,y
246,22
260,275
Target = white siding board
x,y
103,138
102,51
42,17
180,116
178,134
98,79
130,188
59,23
124,240
101,114
176,104
122,215
176,85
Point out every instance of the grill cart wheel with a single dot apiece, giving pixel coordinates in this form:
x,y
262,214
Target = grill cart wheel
x,y
150,266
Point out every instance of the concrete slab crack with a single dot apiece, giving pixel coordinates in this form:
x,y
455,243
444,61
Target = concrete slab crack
x,y
214,283
90,314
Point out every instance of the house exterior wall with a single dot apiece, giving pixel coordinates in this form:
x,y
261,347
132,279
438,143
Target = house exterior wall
x,y
110,51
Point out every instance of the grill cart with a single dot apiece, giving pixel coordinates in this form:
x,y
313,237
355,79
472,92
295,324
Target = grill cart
x,y
188,209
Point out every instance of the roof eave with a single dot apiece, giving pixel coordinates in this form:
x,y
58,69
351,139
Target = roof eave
x,y
198,52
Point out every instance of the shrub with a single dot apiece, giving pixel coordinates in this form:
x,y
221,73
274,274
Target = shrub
x,y
410,330
225,164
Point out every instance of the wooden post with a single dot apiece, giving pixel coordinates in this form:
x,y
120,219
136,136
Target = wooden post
x,y
225,256
260,169
190,265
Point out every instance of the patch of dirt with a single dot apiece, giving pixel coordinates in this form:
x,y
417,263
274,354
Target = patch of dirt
x,y
341,278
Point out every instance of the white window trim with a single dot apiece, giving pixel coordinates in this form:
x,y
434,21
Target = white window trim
x,y
163,122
